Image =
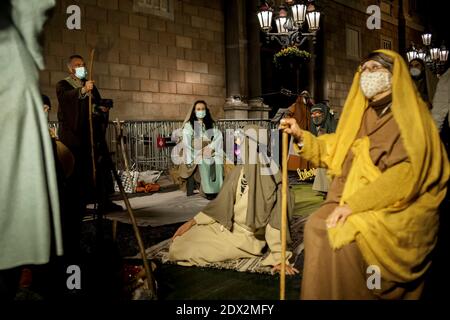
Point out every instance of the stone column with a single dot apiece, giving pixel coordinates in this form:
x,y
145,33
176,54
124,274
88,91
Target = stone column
x,y
312,68
234,107
401,28
258,110
321,62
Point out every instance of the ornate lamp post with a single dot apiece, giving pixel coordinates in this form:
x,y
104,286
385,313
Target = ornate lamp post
x,y
290,22
290,25
435,57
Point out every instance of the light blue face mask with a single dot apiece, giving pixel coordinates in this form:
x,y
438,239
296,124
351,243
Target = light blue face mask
x,y
80,73
200,114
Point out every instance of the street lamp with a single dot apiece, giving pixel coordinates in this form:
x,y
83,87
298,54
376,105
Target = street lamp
x,y
412,53
426,39
299,14
422,54
265,18
434,54
290,21
313,18
282,21
443,54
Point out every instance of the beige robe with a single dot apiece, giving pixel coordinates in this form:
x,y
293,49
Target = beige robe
x,y
208,241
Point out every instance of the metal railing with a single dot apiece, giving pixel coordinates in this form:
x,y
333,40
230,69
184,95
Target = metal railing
x,y
141,140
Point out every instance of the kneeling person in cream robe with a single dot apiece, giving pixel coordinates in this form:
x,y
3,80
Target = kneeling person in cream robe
x,y
239,223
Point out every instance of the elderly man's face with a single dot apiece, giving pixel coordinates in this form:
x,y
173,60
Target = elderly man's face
x,y
77,68
76,63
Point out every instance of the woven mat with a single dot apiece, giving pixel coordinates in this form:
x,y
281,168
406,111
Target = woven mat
x,y
160,252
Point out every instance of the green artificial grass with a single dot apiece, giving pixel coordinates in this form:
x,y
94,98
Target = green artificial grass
x,y
306,200
193,283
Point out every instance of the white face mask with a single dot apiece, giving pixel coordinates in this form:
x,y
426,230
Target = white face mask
x,y
415,72
80,73
200,114
373,83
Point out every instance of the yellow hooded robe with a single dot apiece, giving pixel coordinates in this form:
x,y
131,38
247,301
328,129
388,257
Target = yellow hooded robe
x,y
398,238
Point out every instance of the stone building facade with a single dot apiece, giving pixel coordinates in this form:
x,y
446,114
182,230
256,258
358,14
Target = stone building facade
x,y
348,40
156,57
153,66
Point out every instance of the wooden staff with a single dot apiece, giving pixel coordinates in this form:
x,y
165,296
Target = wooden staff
x,y
150,280
284,191
91,131
149,275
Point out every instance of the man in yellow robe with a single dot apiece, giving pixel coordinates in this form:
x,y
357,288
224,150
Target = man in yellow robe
x,y
389,171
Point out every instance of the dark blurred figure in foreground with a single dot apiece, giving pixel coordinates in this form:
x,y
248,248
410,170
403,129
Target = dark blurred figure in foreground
x,y
30,229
